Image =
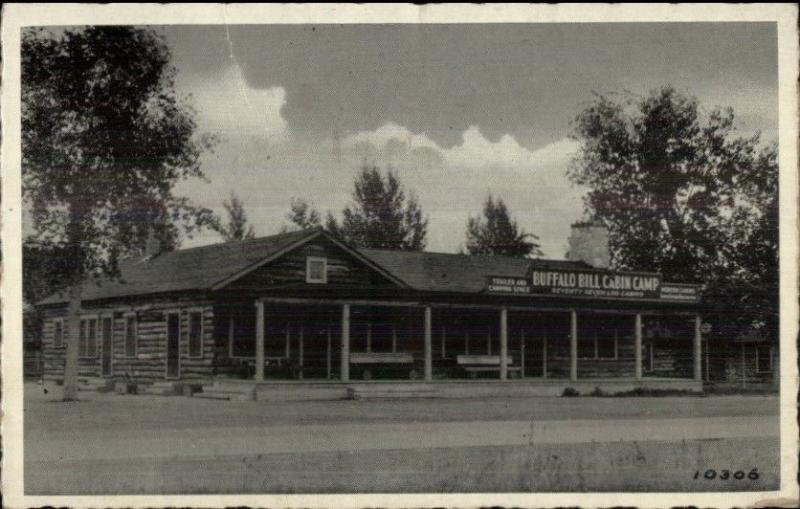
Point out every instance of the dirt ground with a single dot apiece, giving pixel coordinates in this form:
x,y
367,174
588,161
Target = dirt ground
x,y
114,444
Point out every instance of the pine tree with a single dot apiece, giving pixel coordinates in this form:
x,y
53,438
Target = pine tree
x,y
301,216
381,216
496,233
237,227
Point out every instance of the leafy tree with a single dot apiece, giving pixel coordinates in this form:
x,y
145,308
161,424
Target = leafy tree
x,y
44,270
381,216
496,233
237,227
301,216
683,195
104,140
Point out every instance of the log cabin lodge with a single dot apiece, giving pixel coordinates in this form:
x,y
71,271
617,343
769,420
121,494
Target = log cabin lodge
x,y
305,309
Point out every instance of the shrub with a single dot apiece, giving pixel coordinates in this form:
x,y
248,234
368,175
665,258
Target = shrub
x,y
570,392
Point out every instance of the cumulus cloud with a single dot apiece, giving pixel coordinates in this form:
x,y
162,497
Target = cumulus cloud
x,y
453,182
228,106
268,166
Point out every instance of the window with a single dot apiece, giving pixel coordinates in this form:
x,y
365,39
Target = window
x,y
763,359
58,334
130,336
316,270
195,334
88,338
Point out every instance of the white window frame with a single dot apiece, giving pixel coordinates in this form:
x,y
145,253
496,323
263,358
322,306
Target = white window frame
x,y
315,259
189,313
87,319
126,317
758,359
56,323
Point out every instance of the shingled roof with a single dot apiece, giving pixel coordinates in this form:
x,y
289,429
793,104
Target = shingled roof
x,y
198,268
210,267
442,272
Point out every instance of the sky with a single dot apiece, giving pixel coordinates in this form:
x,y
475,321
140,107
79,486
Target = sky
x,y
458,111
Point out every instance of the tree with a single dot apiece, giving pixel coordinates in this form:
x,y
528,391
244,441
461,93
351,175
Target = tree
x,y
680,193
498,234
381,216
44,270
104,140
237,227
301,216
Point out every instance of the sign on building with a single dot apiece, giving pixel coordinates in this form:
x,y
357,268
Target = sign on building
x,y
594,283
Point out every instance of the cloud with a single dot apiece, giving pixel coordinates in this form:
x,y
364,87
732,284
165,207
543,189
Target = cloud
x,y
228,106
450,183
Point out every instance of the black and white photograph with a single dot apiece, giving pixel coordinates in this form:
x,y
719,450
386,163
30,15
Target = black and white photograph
x,y
437,251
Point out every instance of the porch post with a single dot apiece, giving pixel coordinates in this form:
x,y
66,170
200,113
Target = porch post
x,y
573,346
744,365
428,345
503,344
328,355
544,355
638,348
259,341
522,355
698,367
230,335
345,360
300,353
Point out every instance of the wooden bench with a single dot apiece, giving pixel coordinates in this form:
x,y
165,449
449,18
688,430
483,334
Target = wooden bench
x,y
474,364
382,359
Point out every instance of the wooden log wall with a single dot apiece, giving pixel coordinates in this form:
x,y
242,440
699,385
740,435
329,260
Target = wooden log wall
x,y
343,269
149,363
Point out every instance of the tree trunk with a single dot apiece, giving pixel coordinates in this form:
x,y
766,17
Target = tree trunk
x,y
73,345
76,257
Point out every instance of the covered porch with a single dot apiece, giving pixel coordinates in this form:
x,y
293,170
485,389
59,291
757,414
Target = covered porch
x,y
278,339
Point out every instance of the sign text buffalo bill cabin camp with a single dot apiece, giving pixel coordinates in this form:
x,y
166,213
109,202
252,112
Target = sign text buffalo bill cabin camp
x,y
594,283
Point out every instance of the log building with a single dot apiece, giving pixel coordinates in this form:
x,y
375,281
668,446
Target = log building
x,y
308,306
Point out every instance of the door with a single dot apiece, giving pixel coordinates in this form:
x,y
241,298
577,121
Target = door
x,y
173,345
108,346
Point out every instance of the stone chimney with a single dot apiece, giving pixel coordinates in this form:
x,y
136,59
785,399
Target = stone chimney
x,y
588,243
152,246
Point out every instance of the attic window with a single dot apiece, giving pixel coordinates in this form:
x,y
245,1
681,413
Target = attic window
x,y
316,270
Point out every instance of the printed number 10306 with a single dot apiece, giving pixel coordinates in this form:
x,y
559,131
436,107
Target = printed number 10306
x,y
724,475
